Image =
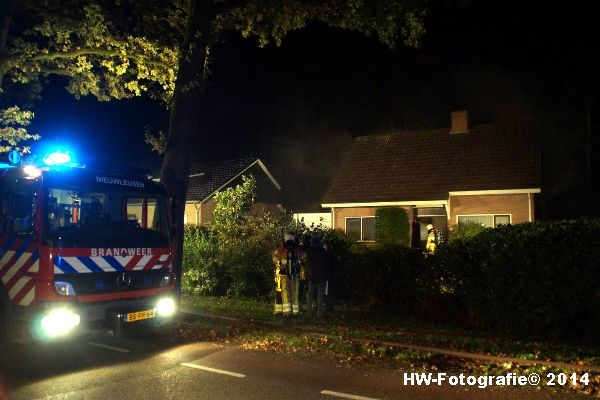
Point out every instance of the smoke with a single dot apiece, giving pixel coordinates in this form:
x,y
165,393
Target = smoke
x,y
305,158
306,166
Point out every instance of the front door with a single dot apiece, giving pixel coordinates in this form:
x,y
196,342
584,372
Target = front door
x,y
434,216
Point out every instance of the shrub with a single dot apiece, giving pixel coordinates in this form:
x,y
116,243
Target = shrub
x,y
539,279
378,276
232,256
391,226
465,231
203,270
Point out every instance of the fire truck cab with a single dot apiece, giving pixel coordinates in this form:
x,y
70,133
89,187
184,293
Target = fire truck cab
x,y
81,246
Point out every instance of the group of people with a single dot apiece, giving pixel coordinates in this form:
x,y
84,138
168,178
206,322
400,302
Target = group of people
x,y
309,260
295,261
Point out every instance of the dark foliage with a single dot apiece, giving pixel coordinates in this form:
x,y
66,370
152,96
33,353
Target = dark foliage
x,y
391,226
537,279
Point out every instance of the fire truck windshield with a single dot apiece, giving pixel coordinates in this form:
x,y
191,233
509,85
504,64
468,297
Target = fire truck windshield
x,y
105,218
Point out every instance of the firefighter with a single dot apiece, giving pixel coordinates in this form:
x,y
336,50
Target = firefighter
x,y
431,239
280,278
282,303
290,259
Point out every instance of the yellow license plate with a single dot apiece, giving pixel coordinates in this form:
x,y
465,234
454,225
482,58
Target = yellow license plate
x,y
140,315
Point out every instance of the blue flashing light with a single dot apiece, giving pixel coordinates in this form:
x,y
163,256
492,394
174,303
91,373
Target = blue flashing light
x,y
57,158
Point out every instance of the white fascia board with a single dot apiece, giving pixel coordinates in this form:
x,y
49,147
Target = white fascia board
x,y
501,191
266,171
426,203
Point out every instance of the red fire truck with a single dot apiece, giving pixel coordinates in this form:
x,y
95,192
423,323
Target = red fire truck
x,y
81,246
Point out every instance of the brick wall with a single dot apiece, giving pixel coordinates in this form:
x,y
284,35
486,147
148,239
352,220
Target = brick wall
x,y
190,213
205,213
517,205
340,215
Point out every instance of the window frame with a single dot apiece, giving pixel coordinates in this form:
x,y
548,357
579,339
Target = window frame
x,y
487,215
361,226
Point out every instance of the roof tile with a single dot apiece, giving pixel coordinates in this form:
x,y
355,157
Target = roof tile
x,y
426,165
213,176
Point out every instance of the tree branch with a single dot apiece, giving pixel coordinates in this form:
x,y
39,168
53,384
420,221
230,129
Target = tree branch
x,y
60,72
6,21
5,60
95,52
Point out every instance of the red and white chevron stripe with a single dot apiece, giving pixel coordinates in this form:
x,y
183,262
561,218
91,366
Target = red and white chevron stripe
x,y
17,269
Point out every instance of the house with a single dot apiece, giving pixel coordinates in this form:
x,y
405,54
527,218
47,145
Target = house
x,y
488,174
208,178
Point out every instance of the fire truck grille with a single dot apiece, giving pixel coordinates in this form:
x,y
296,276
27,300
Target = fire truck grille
x,y
112,282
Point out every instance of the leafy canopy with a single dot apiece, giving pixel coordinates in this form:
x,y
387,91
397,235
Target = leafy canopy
x,y
116,49
13,121
120,49
105,49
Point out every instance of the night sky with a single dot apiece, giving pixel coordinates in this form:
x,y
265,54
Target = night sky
x,y
299,106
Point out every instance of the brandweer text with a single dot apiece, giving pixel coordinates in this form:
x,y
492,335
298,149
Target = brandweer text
x,y
121,252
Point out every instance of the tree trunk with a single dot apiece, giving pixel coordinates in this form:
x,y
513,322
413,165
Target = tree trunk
x,y
184,120
5,21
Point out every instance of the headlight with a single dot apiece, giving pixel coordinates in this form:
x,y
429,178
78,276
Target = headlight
x,y
64,288
165,307
32,171
59,321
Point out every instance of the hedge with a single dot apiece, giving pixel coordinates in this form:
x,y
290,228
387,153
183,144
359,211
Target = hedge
x,y
539,279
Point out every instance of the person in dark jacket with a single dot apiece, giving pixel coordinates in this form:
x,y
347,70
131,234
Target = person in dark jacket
x,y
316,271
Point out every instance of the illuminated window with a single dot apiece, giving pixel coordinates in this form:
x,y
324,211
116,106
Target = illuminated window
x,y
361,228
487,220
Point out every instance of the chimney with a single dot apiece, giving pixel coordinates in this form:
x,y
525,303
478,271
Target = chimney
x,y
460,121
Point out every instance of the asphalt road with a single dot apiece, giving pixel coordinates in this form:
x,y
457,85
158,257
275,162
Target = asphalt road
x,y
99,367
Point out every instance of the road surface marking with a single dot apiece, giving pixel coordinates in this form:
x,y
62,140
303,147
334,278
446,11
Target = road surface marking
x,y
104,346
217,371
346,395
